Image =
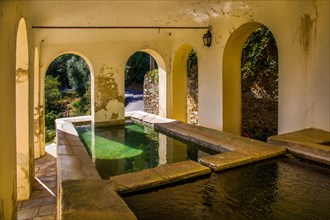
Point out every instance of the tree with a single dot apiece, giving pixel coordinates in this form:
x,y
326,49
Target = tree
x,y
52,94
58,68
259,63
136,67
78,74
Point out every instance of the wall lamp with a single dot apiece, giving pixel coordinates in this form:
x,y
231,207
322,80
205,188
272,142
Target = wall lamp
x,y
207,38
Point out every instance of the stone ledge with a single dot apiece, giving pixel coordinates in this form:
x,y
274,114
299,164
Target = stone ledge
x,y
97,199
158,176
234,159
306,143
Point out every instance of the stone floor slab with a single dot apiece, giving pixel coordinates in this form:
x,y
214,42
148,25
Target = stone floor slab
x,y
42,203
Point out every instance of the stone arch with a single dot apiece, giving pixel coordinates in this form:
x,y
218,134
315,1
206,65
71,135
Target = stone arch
x,y
42,91
162,81
23,151
179,83
232,100
91,70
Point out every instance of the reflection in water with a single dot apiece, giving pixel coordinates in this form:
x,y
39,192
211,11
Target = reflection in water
x,y
128,148
275,189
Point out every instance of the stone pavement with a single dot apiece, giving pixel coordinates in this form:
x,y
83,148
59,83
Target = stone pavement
x,y
42,202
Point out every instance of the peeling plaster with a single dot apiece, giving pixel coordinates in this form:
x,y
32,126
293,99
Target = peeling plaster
x,y
106,88
21,75
41,121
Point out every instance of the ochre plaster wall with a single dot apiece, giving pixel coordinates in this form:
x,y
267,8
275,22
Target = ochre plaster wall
x,y
22,113
107,61
8,24
300,28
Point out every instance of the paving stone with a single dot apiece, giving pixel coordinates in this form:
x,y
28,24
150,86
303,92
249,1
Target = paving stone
x,y
48,178
27,213
36,202
37,193
38,186
48,217
48,210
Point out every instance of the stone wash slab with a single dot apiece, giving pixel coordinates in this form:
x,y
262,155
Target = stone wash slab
x,y
311,143
87,199
158,176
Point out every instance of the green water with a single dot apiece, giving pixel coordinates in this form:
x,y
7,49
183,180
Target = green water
x,y
128,148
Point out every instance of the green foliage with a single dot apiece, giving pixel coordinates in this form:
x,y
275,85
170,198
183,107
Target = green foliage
x,y
192,59
153,74
66,72
50,118
58,68
136,67
50,134
52,94
81,106
260,63
259,85
192,66
78,74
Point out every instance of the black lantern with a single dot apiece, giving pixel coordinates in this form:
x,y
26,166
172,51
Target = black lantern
x,y
207,38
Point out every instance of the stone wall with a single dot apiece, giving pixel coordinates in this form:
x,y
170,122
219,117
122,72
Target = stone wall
x,y
192,94
151,92
259,116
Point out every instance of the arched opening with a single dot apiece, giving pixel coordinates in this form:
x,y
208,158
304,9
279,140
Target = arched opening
x,y
185,85
162,81
68,89
260,85
232,78
23,152
141,83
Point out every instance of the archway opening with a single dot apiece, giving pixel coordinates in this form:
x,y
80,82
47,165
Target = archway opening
x,y
142,83
234,56
260,85
192,88
185,85
67,90
24,155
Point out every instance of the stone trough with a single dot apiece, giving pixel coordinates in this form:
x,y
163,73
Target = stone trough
x,y
83,194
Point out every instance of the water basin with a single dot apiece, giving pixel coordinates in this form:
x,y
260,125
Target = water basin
x,y
279,188
132,147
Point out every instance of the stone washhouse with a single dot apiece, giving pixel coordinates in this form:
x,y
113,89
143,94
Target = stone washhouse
x,y
106,33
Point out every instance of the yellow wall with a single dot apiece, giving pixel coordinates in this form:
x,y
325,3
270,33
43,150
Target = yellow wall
x,y
22,113
8,24
300,28
108,61
179,83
